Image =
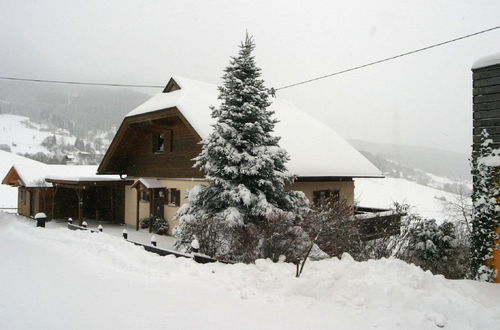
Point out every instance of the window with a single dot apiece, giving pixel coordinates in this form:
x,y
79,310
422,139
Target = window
x,y
23,196
321,195
174,197
144,195
163,141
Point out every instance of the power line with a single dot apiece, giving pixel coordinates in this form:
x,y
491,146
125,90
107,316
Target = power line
x,y
276,89
389,58
79,82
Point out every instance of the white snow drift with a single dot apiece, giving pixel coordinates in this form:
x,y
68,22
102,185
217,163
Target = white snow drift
x,y
60,279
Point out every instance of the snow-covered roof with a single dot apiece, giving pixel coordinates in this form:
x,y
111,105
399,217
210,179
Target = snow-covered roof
x,y
489,60
315,148
77,173
36,174
151,183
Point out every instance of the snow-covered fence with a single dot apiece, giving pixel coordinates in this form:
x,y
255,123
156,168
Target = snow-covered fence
x,y
159,251
374,223
198,257
76,227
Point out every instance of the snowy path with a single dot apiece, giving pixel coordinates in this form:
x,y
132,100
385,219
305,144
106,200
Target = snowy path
x,y
61,279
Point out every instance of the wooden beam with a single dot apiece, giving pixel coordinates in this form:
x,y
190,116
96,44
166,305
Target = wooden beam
x,y
137,210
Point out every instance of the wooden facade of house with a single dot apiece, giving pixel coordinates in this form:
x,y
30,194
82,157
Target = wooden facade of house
x,y
486,115
486,103
136,151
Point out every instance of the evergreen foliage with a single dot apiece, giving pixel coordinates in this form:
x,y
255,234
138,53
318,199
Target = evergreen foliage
x,y
485,219
242,161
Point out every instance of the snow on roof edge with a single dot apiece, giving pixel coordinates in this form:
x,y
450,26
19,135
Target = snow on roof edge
x,y
489,60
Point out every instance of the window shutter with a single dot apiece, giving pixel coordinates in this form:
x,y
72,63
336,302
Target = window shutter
x,y
154,140
177,197
167,199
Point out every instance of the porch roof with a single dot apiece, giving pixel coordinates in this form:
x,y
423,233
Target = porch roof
x,y
150,183
43,175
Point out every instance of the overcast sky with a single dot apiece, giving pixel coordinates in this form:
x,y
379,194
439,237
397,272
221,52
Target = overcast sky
x,y
423,99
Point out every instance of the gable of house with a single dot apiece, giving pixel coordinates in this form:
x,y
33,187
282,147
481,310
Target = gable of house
x,y
156,144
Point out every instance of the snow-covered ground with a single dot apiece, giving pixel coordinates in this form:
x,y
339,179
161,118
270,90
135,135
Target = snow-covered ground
x,y
55,278
24,136
426,201
142,236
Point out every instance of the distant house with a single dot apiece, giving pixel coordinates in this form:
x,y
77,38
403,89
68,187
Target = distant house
x,y
63,191
155,145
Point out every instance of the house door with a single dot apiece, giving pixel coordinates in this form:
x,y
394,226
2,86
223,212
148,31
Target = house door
x,y
158,203
32,203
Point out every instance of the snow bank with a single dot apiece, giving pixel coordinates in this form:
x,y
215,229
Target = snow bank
x,y
61,279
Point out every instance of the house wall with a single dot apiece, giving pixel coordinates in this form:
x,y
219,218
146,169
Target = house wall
x,y
144,210
134,154
346,190
23,209
486,104
130,205
171,210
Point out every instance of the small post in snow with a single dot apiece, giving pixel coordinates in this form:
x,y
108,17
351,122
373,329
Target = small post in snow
x,y
153,240
100,228
195,245
40,219
125,233
84,224
70,221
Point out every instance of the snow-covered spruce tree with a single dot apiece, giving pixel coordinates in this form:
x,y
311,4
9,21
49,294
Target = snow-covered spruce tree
x,y
241,159
485,218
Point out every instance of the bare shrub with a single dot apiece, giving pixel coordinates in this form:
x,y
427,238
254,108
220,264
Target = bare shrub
x,y
332,225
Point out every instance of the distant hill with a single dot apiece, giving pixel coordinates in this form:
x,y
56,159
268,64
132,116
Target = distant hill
x,y
439,162
74,108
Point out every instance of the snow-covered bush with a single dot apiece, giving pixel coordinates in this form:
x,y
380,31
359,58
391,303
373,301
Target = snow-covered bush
x,y
158,225
332,225
442,249
272,238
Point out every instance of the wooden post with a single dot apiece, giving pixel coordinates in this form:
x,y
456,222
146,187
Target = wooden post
x,y
137,209
111,203
151,208
54,203
80,205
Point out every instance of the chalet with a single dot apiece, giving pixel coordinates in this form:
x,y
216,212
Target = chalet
x,y
148,168
157,141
